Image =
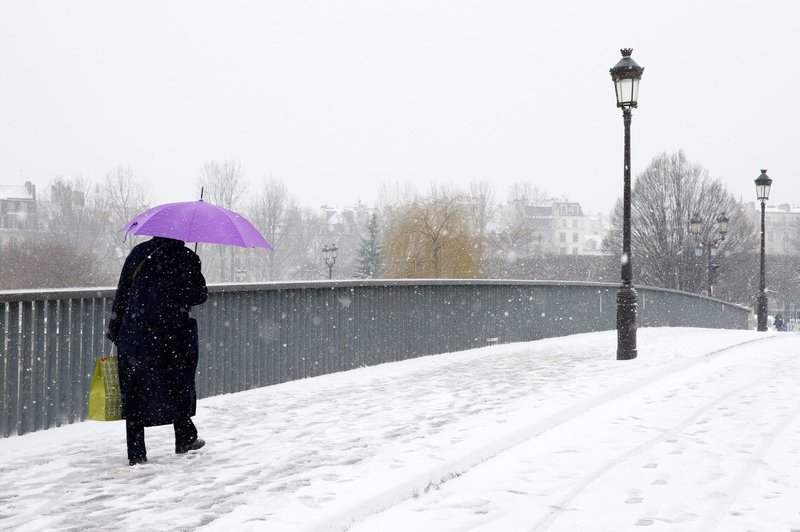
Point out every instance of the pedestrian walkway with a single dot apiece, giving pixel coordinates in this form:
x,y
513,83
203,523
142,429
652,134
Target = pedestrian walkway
x,y
698,433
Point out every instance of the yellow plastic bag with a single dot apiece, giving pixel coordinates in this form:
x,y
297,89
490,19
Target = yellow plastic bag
x,y
105,400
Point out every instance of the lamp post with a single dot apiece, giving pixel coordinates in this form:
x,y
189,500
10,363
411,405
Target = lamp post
x,y
763,184
626,75
695,227
329,256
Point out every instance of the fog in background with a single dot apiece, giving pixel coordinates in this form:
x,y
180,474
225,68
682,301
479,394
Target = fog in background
x,y
336,97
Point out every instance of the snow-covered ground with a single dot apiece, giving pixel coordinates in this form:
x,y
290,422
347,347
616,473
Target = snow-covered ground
x,y
700,433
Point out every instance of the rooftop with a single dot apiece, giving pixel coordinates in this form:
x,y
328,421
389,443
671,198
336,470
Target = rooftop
x,y
25,192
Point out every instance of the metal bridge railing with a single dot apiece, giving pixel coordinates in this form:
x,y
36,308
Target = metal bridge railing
x,y
254,335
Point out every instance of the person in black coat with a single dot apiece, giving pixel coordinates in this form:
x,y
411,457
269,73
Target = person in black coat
x,y
156,341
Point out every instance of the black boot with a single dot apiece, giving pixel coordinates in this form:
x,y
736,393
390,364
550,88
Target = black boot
x,y
134,461
196,444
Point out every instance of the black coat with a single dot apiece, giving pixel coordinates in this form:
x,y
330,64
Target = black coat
x,y
156,337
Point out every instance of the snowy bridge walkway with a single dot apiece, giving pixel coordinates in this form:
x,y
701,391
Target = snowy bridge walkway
x,y
701,432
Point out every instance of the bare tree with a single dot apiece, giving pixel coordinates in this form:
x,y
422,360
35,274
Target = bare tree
x,y
391,200
526,192
70,216
304,244
119,199
482,206
664,198
272,213
513,239
482,210
224,184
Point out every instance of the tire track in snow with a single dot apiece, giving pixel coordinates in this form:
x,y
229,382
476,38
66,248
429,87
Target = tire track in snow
x,y
563,505
435,477
715,516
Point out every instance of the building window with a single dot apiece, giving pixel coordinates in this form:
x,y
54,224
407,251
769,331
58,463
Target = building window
x,y
574,251
574,237
563,223
574,223
562,237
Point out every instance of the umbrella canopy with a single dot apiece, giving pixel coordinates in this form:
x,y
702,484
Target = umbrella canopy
x,y
197,221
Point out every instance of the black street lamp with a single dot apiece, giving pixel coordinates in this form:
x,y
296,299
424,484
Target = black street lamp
x,y
626,75
695,227
329,256
763,184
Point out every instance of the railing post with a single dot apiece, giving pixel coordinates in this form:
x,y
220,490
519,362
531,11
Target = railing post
x,y
5,378
12,370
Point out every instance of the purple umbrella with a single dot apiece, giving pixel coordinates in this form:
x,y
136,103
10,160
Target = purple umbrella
x,y
197,221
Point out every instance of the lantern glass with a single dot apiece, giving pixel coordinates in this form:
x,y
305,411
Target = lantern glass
x,y
627,92
763,184
762,192
722,222
695,224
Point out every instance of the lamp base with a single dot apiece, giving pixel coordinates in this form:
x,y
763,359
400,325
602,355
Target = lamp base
x,y
626,323
761,312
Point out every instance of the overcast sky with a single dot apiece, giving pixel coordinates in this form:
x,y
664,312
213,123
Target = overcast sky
x,y
335,97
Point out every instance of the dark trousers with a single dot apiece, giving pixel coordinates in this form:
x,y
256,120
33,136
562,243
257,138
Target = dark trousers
x,y
185,433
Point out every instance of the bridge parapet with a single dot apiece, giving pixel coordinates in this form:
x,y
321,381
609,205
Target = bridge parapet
x,y
259,334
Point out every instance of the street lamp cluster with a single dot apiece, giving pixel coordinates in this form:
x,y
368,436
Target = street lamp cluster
x,y
708,247
626,75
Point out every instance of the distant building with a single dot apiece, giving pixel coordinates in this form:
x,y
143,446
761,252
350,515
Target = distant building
x,y
782,229
577,233
558,226
18,216
347,220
